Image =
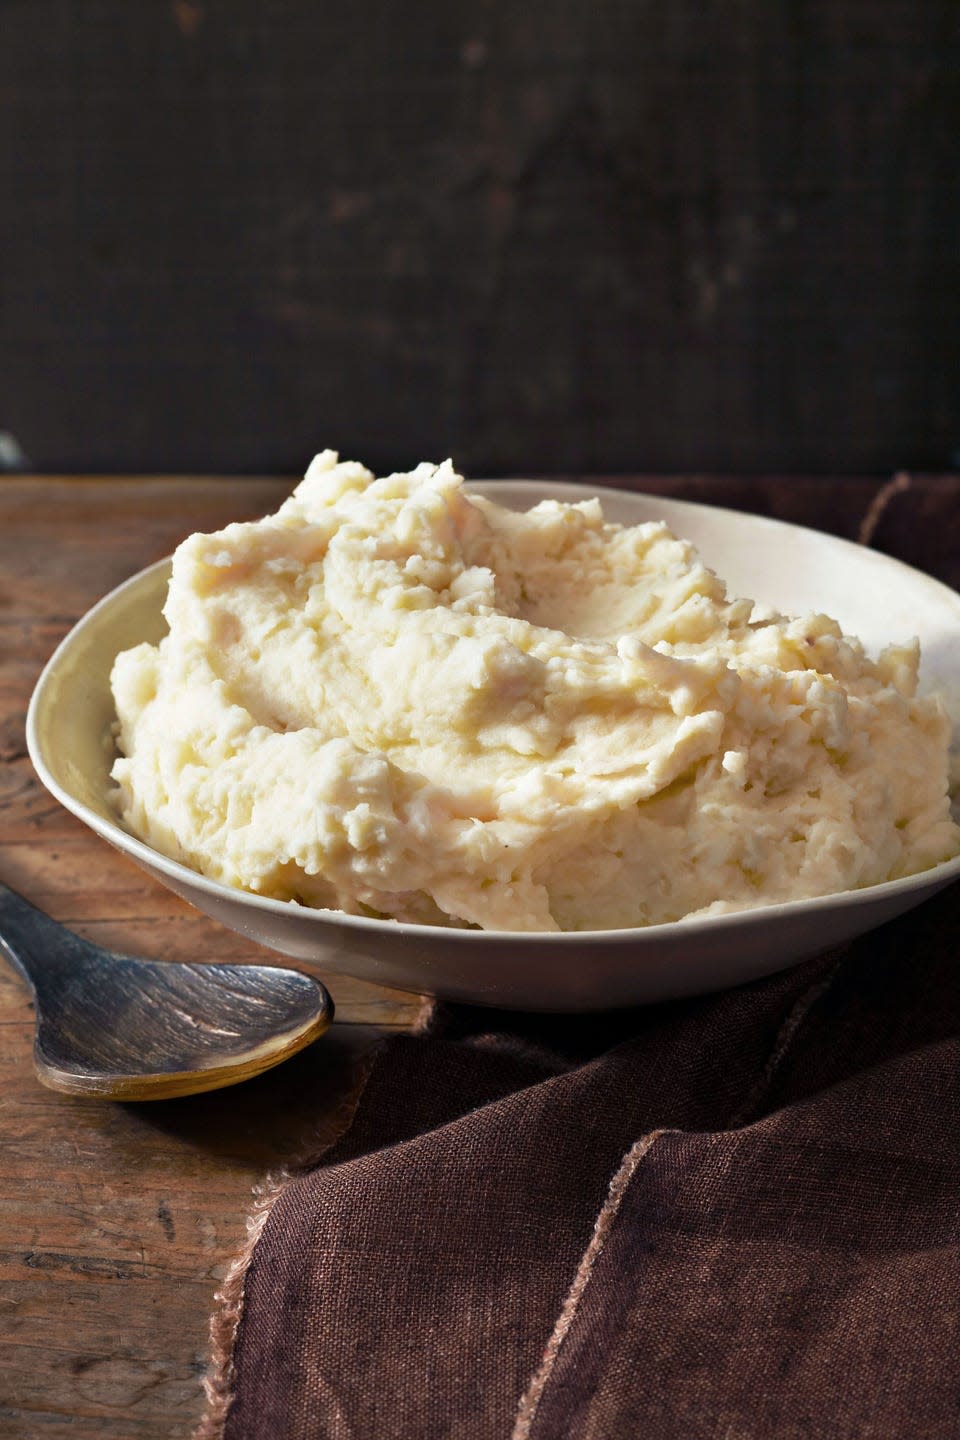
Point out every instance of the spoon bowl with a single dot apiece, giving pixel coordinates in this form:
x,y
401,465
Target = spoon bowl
x,y
119,1028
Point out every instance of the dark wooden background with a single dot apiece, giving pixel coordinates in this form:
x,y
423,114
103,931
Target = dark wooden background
x,y
576,235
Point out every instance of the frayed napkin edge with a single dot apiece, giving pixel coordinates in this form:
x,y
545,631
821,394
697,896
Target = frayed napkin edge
x,y
229,1299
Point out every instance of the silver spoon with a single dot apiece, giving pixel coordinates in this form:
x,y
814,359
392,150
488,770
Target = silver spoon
x,y
119,1028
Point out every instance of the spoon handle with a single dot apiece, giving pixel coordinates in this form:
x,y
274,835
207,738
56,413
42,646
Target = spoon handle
x,y
33,943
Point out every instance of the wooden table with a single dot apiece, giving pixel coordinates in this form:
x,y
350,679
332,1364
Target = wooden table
x,y
118,1220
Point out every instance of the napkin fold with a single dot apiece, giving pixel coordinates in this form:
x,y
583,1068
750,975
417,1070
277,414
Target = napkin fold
x,y
728,1217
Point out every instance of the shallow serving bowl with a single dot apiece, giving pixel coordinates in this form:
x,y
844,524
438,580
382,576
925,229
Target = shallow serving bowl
x,y
797,570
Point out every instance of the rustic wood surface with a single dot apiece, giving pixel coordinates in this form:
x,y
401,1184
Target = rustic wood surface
x,y
116,1221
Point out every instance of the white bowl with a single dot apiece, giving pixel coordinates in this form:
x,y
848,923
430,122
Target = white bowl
x,y
873,596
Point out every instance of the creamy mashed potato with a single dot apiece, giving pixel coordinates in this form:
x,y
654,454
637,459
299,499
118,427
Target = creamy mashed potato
x,y
395,698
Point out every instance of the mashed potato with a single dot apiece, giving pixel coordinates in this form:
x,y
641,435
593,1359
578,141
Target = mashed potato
x,y
395,698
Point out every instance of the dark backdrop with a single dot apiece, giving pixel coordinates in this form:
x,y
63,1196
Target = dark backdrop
x,y
577,235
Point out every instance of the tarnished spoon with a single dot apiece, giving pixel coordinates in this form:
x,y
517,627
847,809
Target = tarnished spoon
x,y
118,1028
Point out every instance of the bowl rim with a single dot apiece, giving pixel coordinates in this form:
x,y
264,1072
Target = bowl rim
x,y
933,878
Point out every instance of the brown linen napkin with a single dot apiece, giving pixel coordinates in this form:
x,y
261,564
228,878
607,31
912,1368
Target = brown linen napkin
x,y
743,1220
